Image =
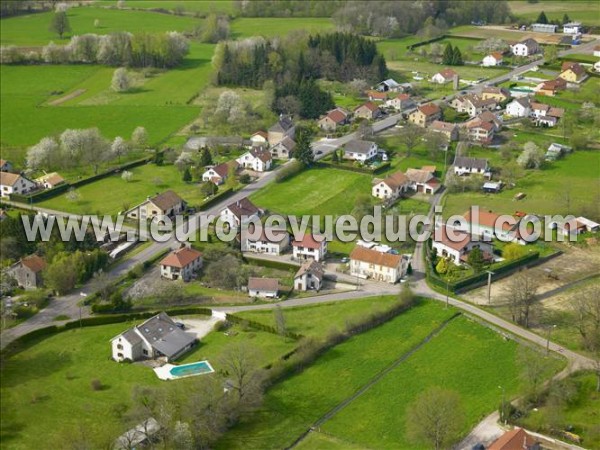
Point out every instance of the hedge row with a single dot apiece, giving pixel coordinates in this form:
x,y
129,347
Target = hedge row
x,y
477,278
19,343
217,198
381,168
428,41
50,193
262,327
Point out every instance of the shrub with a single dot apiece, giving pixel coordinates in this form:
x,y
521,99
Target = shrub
x,y
289,171
96,385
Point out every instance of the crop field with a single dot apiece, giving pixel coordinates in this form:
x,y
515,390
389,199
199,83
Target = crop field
x,y
315,191
293,405
32,29
113,194
55,375
577,10
571,181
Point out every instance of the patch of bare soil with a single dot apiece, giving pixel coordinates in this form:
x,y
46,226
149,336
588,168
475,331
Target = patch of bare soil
x,y
66,98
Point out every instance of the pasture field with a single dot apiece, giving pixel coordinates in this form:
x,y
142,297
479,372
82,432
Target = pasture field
x,y
466,358
293,405
24,121
33,29
275,26
202,7
113,194
571,181
315,191
54,376
582,11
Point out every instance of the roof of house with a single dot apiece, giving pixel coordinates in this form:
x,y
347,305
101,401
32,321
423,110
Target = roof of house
x,y
515,439
288,143
371,256
263,155
439,125
447,73
488,116
163,335
496,90
336,115
496,55
430,169
552,85
486,218
358,146
8,178
181,257
3,162
576,68
263,284
556,112
260,133
529,43
243,207
166,200
396,180
34,263
390,82
429,109
311,267
403,97
309,241
539,106
523,101
475,163
419,175
458,241
51,178
369,105
284,124
479,123
376,95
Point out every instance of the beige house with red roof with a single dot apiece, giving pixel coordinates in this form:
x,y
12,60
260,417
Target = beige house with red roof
x,y
423,180
573,72
257,160
480,131
158,208
499,94
259,139
450,130
334,118
309,247
444,76
551,87
493,59
367,111
455,245
181,264
400,102
391,187
371,263
13,183
425,115
28,271
50,180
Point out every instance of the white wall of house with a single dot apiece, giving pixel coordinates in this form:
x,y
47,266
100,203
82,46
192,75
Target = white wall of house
x,y
211,175
21,186
317,254
123,350
185,273
515,109
520,50
307,282
490,61
438,78
383,191
377,272
262,293
273,248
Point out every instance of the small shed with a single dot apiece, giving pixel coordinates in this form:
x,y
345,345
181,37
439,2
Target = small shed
x,y
492,187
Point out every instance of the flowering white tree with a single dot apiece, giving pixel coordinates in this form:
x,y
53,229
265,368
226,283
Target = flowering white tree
x,y
121,81
140,137
119,147
127,176
42,154
532,156
184,160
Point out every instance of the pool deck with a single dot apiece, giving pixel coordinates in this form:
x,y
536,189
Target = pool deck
x,y
164,372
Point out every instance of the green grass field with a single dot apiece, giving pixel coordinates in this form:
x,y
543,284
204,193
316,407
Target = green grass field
x,y
462,351
583,11
269,27
315,191
546,189
189,6
32,29
110,195
46,389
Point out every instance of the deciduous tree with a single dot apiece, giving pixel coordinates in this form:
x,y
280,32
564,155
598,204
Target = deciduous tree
x,y
60,23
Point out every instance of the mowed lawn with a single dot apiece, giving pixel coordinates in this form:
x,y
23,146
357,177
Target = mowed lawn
x,y
189,6
33,29
315,191
24,120
46,392
465,357
572,181
113,194
278,26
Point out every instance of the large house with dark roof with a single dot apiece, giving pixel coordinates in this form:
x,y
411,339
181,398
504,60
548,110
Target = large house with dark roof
x,y
284,127
28,271
309,276
464,165
157,337
240,212
158,208
263,287
257,160
359,150
526,47
181,264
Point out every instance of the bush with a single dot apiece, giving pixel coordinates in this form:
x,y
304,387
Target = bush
x,y
289,171
96,385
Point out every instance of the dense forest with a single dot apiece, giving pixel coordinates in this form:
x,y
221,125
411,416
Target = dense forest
x,y
292,63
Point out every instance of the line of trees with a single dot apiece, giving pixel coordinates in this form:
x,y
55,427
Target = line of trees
x,y
452,56
163,50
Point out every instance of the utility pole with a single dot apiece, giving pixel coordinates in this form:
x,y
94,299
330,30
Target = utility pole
x,y
447,289
550,328
503,408
489,290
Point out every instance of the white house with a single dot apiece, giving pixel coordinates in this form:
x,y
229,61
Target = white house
x,y
255,159
493,59
573,28
259,139
271,241
263,287
181,264
157,337
391,187
310,247
309,276
519,107
423,181
360,150
526,47
465,166
597,66
50,180
13,183
377,265
218,174
158,208
5,166
400,102
456,245
240,212
444,76
486,225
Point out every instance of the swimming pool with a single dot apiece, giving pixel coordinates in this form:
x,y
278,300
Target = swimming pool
x,y
171,372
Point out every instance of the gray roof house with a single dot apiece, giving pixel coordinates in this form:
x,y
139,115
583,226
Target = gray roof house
x,y
157,337
360,150
464,165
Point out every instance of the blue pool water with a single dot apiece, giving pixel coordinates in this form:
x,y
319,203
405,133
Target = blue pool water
x,y
186,370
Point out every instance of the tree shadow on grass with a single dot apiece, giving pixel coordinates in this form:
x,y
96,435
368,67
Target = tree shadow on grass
x,y
39,365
